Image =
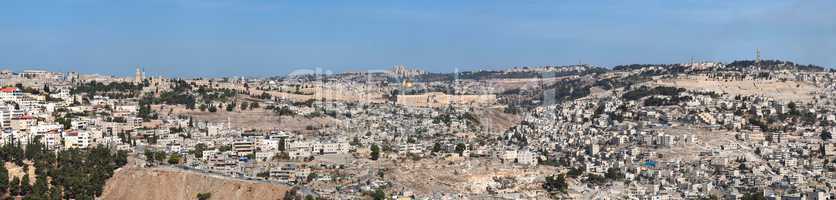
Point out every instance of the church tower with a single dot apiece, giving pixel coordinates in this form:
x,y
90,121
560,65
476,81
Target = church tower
x,y
139,75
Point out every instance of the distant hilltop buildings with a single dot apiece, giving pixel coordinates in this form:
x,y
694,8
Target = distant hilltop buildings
x,y
704,65
438,99
570,68
403,71
41,74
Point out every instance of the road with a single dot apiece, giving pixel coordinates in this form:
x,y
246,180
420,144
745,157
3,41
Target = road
x,y
135,161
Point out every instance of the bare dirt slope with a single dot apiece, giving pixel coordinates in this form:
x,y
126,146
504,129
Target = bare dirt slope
x,y
471,177
494,120
133,183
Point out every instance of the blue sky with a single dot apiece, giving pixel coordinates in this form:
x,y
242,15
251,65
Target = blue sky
x,y
260,38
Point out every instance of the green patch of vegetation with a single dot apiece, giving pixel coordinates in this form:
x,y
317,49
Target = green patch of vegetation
x,y
75,173
114,90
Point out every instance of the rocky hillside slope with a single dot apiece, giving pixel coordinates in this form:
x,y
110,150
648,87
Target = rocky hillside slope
x,y
133,183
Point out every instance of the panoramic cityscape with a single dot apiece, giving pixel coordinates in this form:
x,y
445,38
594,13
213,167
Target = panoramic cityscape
x,y
206,99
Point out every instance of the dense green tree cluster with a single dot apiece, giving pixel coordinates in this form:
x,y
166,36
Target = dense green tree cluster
x,y
567,90
115,90
204,195
436,147
211,95
12,152
645,91
378,194
443,118
177,98
460,148
174,159
375,154
230,106
556,183
157,157
180,86
640,66
771,65
825,135
596,179
75,173
614,174
179,95
182,93
497,74
575,172
266,96
198,149
4,179
65,121
82,173
753,195
611,83
145,112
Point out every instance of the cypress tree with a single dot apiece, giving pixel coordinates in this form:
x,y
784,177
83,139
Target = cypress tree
x,y
4,178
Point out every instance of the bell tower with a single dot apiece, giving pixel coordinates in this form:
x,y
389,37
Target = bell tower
x,y
139,75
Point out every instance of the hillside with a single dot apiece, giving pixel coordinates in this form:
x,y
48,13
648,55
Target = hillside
x,y
778,90
494,120
133,183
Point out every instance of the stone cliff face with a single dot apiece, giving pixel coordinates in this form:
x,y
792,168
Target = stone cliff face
x,y
164,184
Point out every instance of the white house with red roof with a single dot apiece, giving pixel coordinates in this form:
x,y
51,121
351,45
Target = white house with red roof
x,y
23,122
10,94
76,139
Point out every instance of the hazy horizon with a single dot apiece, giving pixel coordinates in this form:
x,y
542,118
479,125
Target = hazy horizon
x,y
214,38
131,71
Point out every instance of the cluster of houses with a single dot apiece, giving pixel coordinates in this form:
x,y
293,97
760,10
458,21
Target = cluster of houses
x,y
711,145
707,145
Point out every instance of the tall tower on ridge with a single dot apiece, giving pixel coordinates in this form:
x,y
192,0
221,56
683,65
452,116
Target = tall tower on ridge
x,y
139,75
